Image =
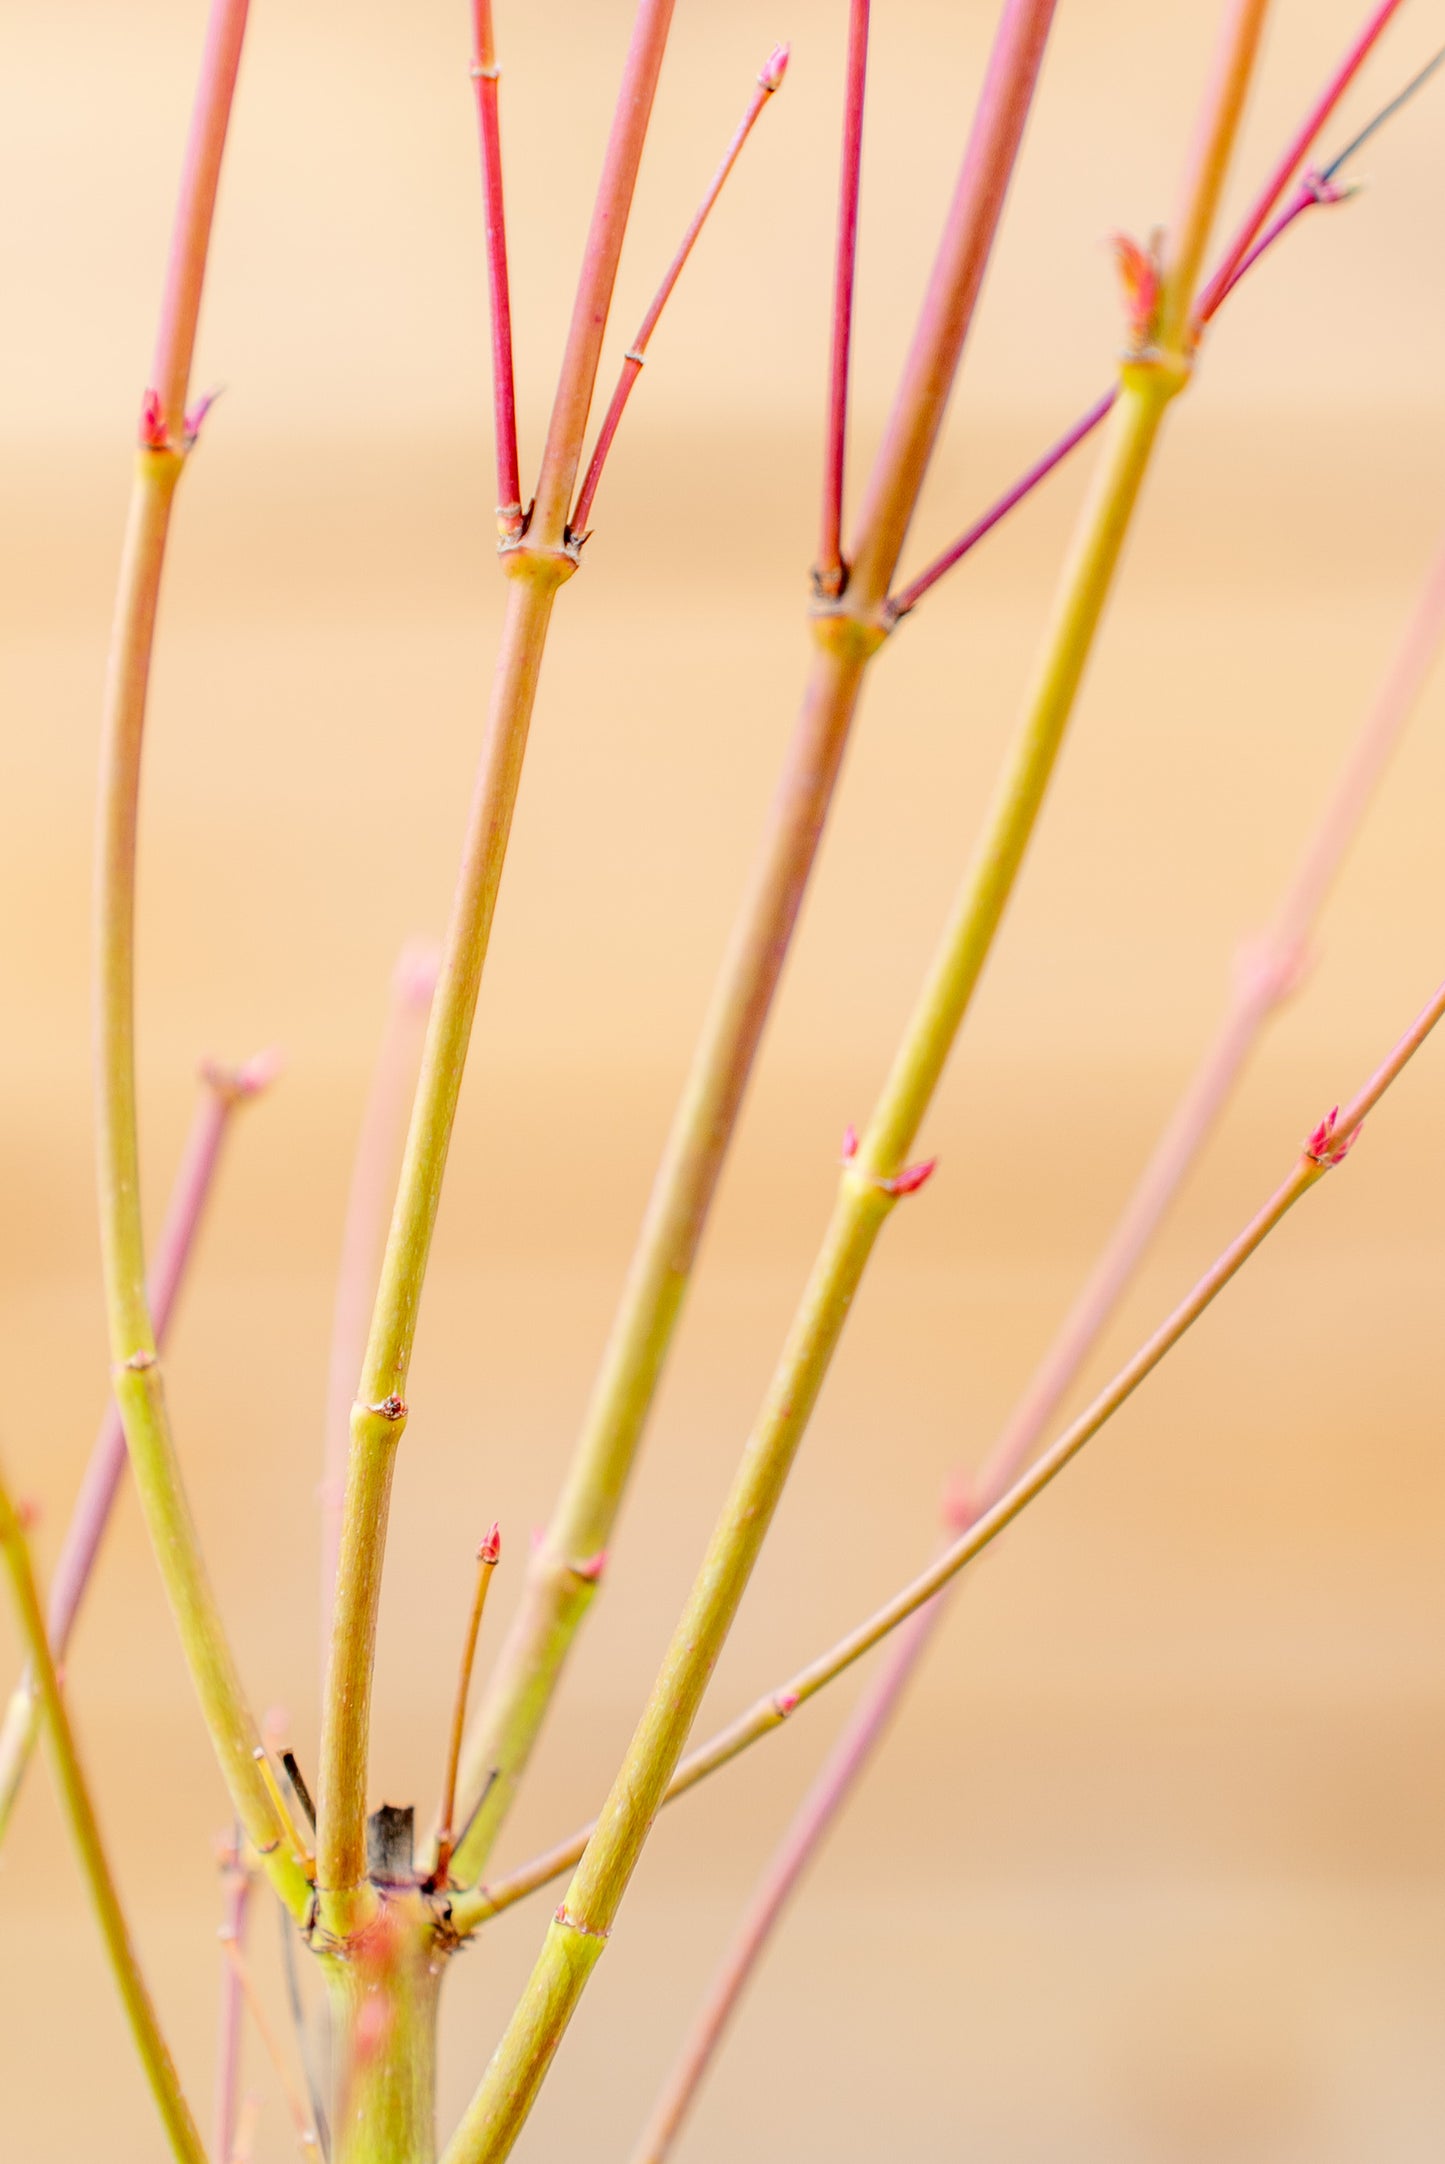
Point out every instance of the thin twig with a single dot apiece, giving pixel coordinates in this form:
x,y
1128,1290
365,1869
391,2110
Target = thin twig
x,y
485,78
562,453
921,400
166,437
770,80
151,2046
305,2132
224,1090
830,572
1270,968
488,1556
368,1210
236,1890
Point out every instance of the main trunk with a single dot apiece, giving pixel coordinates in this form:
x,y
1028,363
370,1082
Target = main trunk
x,y
383,1999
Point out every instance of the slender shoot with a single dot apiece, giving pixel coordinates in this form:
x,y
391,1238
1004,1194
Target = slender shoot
x,y
486,76
306,2139
488,1556
151,2047
770,80
831,573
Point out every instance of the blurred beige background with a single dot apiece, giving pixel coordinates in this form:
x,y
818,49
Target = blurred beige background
x,y
1153,1870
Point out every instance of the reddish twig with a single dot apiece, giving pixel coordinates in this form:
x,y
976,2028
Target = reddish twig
x,y
562,453
830,573
928,373
485,76
488,1556
236,1886
200,177
771,79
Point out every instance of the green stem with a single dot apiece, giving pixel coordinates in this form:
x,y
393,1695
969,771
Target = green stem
x,y
138,1386
383,2000
379,1416
154,2054
565,1567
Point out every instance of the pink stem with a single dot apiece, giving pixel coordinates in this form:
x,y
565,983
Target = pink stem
x,y
892,491
105,1469
1027,482
186,269
1270,968
770,80
562,453
830,572
485,76
368,1213
237,1883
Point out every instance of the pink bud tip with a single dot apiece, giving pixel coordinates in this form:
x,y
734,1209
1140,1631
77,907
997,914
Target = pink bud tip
x,y
197,415
27,1510
775,67
1322,1147
418,966
260,1071
592,1567
153,435
491,1547
960,1507
911,1178
786,1702
1139,278
850,1144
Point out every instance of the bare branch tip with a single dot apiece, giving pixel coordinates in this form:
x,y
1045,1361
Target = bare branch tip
x,y
775,67
414,980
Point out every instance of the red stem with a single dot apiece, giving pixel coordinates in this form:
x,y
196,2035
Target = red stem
x,y
831,575
485,75
186,269
562,454
770,80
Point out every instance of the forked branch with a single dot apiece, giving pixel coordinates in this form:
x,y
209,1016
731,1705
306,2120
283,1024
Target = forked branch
x,y
770,80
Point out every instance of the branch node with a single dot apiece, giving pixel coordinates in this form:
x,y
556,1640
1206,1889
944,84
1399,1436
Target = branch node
x,y
572,1923
1326,1148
